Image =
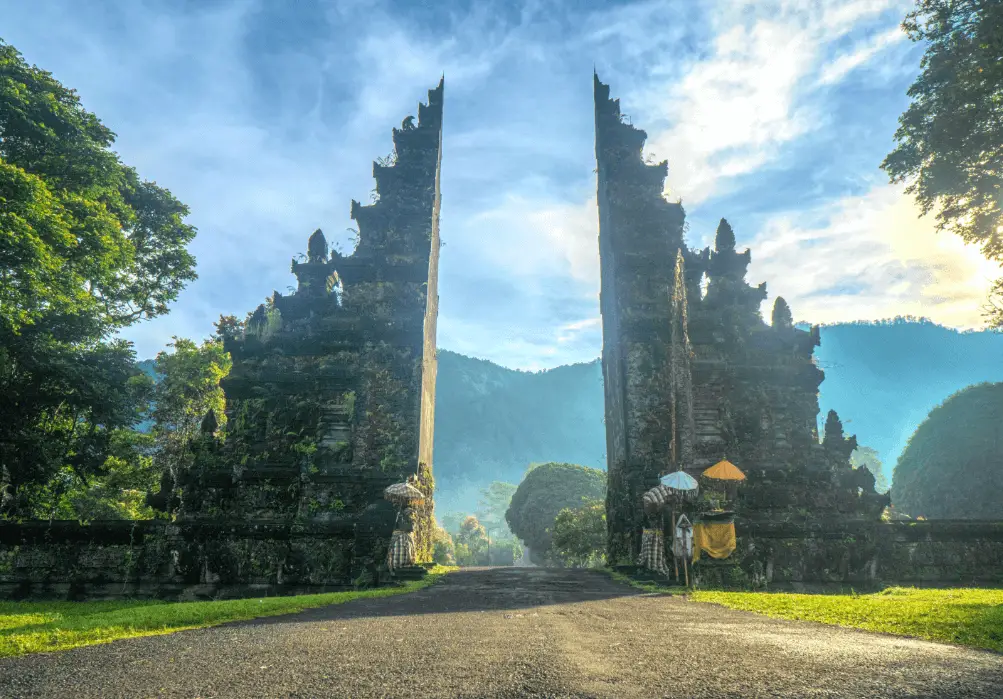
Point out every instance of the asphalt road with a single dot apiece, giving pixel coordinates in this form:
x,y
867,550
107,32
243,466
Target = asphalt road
x,y
512,632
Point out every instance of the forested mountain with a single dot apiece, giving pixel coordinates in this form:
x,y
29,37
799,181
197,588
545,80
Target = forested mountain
x,y
884,378
492,422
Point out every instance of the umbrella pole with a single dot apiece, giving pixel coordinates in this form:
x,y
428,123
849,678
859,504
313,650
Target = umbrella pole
x,y
686,571
675,561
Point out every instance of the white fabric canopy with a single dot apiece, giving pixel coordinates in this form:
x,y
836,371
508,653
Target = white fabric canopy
x,y
679,480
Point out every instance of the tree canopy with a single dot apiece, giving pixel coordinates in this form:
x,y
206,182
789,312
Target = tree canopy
x,y
86,248
543,493
951,467
579,534
950,139
187,391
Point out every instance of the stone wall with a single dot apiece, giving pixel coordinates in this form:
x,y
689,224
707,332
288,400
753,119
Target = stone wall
x,y
859,554
194,560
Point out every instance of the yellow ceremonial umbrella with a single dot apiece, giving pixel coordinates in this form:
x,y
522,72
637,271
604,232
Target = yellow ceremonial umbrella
x,y
724,470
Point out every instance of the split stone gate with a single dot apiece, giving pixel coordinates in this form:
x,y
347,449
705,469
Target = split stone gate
x,y
332,394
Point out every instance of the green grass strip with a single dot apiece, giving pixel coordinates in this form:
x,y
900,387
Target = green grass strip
x,y
38,627
963,616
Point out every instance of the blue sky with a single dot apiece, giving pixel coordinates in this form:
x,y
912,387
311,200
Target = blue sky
x,y
265,117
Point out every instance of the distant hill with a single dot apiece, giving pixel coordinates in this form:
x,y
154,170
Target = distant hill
x,y
492,422
882,378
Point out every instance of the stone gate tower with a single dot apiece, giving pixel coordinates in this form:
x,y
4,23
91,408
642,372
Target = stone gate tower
x,y
692,372
332,395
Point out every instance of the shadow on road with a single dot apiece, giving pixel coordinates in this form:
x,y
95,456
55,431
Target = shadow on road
x,y
476,590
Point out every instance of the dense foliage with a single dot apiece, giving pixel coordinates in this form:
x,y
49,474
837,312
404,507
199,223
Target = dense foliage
x,y
951,467
187,390
950,139
443,548
540,497
579,535
472,543
86,248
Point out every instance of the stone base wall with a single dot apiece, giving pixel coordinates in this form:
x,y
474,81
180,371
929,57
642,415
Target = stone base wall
x,y
859,554
159,559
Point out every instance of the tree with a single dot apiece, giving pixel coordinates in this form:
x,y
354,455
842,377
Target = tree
x,y
443,548
865,457
187,391
86,248
494,502
951,466
543,493
950,138
80,233
64,405
472,543
452,521
579,535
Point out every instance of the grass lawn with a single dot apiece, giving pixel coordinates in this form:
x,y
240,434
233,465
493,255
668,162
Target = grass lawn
x,y
34,627
964,616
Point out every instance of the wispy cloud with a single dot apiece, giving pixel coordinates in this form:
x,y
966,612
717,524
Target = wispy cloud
x,y
870,257
733,109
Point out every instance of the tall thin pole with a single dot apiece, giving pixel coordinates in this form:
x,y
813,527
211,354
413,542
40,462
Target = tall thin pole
x,y
675,561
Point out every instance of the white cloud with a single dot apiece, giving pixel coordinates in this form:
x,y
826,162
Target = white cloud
x,y
860,55
730,113
870,257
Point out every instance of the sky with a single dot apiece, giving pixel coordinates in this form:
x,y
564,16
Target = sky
x,y
265,117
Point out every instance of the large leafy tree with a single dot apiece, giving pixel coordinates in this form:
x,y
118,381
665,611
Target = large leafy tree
x,y
543,493
87,248
951,467
950,139
472,543
187,391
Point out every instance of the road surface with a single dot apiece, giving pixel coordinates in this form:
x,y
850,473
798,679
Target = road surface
x,y
512,632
